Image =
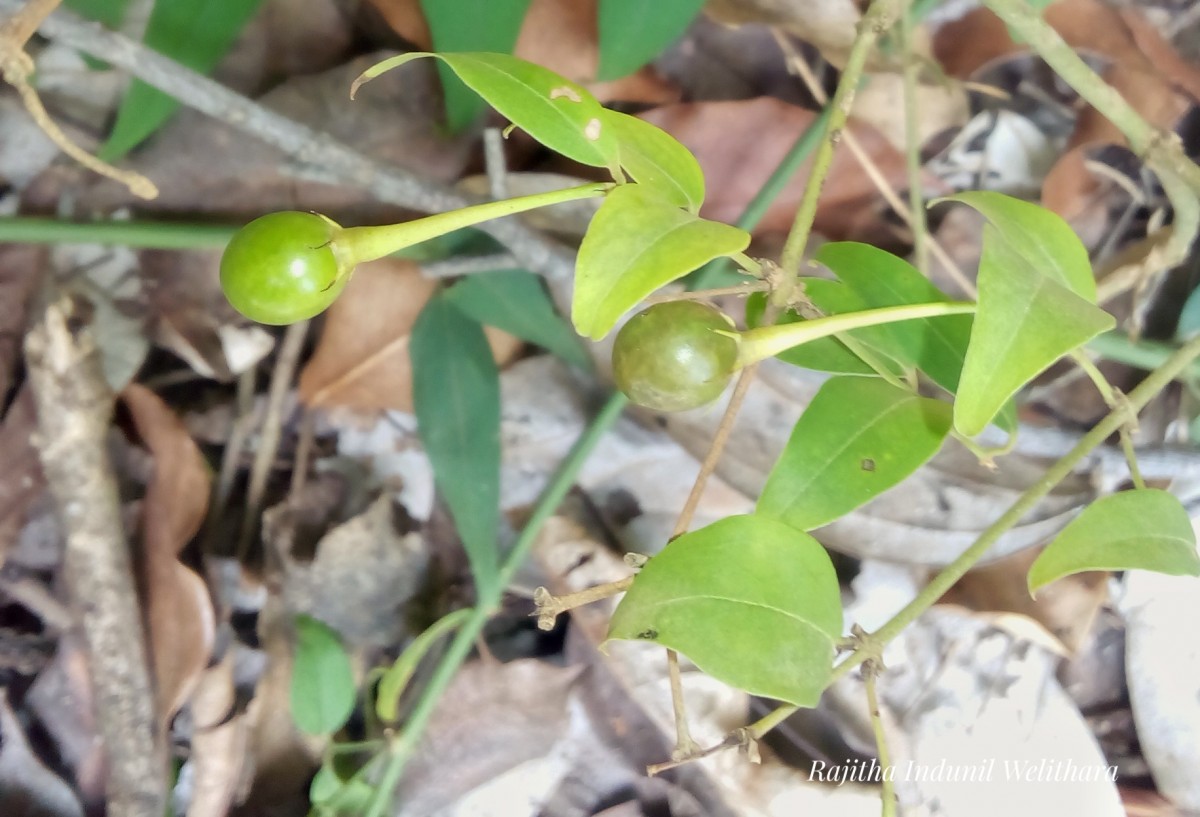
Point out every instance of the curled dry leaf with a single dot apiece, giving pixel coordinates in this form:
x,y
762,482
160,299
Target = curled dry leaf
x,y
739,144
362,361
178,610
219,743
560,36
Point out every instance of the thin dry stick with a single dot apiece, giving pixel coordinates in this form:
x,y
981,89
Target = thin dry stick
x,y
16,67
272,428
801,68
74,406
323,157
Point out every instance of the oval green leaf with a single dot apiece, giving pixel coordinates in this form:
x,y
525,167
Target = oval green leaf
x,y
1026,320
397,676
856,439
636,243
1041,237
751,601
657,161
633,32
456,395
322,690
560,114
1144,529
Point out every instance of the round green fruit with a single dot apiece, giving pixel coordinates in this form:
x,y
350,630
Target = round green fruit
x,y
672,357
281,268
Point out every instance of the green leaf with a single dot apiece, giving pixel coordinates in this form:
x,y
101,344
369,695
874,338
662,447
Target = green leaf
x,y
353,794
822,355
1039,236
456,394
1145,529
1189,319
470,25
856,439
194,33
636,243
751,601
633,32
516,301
397,676
1025,322
560,114
657,161
323,692
936,346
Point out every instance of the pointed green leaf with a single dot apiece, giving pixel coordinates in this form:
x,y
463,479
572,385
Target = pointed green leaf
x,y
1025,322
1145,529
856,439
822,355
456,394
633,32
516,301
657,161
194,33
636,243
1039,236
936,346
751,601
470,25
560,114
322,693
397,676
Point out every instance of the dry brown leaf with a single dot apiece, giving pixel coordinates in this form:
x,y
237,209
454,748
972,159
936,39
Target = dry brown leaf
x,y
362,361
740,143
219,743
558,35
179,612
21,267
828,25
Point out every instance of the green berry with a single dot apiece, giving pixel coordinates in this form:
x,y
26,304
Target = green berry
x,y
281,268
670,358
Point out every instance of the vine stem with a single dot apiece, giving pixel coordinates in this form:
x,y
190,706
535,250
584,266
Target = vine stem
x,y
877,20
888,794
1137,399
401,748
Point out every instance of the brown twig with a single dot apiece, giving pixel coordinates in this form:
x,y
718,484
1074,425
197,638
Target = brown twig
x,y
74,405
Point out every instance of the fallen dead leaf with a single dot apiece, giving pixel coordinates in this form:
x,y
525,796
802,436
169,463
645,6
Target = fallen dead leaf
x,y
21,267
178,608
361,360
29,788
21,480
218,744
829,25
740,143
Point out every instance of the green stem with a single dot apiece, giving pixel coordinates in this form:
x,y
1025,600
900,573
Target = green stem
x,y
877,20
359,244
888,795
146,234
402,748
1114,400
763,342
943,581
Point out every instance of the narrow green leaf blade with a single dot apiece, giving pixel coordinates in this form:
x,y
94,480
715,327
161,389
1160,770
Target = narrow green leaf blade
x,y
1145,529
397,676
751,601
517,302
1039,236
633,32
636,243
470,25
1025,322
936,346
654,159
456,394
856,439
194,33
560,114
322,691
